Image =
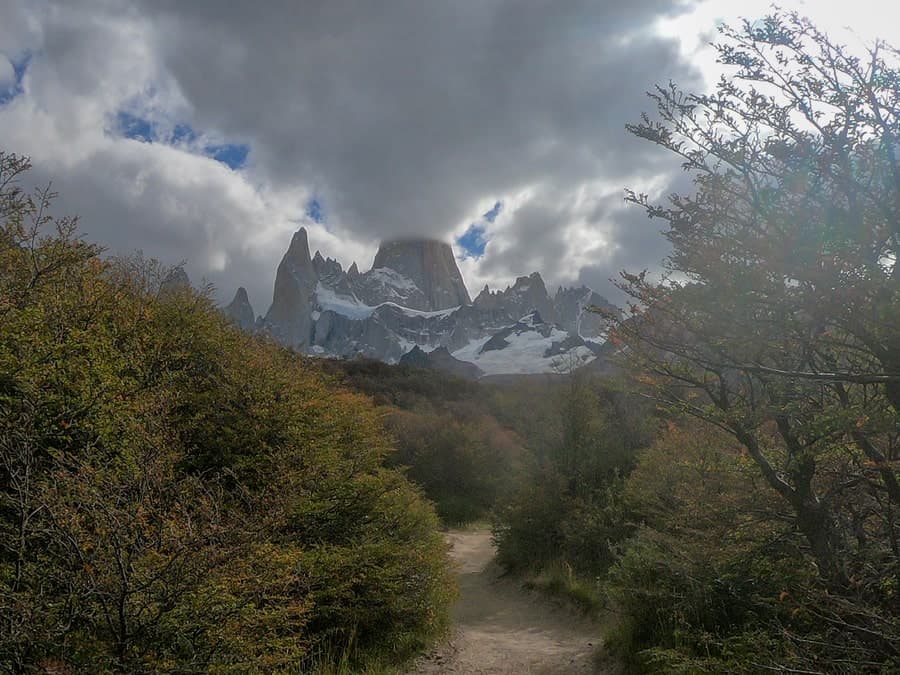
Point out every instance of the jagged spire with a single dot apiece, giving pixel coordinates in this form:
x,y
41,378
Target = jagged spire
x,y
176,280
289,316
299,242
240,310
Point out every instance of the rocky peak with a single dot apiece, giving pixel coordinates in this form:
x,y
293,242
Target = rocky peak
x,y
240,310
415,295
175,280
327,268
290,316
318,263
430,265
525,295
298,250
573,308
487,300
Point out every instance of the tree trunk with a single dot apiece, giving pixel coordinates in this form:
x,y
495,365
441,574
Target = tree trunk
x,y
814,522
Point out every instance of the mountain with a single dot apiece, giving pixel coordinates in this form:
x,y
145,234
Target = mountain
x,y
240,310
572,311
175,280
413,307
430,265
289,318
529,346
525,295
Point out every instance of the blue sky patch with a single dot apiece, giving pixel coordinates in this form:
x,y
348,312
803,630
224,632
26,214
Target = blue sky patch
x,y
315,211
137,128
183,133
491,215
134,127
473,242
232,155
16,87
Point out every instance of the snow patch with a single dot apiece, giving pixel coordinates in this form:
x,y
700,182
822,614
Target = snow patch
x,y
415,312
389,277
347,306
524,355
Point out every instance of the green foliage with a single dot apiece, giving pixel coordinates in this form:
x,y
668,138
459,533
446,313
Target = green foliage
x,y
570,511
776,325
559,579
782,326
446,438
714,582
527,531
176,495
402,386
463,459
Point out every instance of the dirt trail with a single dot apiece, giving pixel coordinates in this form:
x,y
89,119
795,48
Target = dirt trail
x,y
500,628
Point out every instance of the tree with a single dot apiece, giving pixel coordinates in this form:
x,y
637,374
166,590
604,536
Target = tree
x,y
778,318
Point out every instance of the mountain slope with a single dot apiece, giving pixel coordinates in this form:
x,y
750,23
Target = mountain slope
x,y
414,298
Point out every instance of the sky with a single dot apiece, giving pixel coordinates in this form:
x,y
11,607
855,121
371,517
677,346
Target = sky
x,y
206,132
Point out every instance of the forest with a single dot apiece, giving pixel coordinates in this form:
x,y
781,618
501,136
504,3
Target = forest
x,y
177,495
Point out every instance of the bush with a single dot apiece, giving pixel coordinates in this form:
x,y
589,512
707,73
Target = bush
x,y
463,460
716,581
446,439
176,495
527,529
570,511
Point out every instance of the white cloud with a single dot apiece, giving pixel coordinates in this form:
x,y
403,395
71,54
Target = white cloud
x,y
7,74
401,117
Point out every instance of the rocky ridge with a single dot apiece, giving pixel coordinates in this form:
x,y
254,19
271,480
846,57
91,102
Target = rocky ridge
x,y
413,305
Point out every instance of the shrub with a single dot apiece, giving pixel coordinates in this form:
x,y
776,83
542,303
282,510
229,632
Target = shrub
x,y
717,580
176,495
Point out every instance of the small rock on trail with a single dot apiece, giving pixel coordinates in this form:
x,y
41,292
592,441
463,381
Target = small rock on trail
x,y
501,629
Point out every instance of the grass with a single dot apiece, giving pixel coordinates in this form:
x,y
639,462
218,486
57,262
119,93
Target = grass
x,y
348,659
559,580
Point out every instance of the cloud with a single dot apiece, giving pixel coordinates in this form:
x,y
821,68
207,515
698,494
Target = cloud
x,y
7,74
474,240
396,119
137,128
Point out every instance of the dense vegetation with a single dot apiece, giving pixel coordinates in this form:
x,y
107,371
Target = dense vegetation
x,y
759,531
176,495
446,436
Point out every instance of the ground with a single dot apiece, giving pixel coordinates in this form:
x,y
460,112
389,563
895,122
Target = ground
x,y
500,628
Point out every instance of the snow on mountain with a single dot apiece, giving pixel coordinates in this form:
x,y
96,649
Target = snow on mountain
x,y
414,298
326,299
528,347
382,284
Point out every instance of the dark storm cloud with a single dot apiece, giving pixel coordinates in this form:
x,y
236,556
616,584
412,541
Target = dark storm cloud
x,y
400,117
636,241
402,114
